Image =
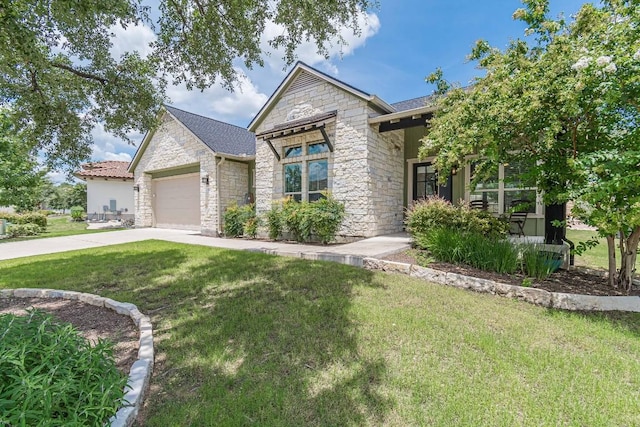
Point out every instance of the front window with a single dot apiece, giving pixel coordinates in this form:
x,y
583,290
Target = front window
x,y
306,171
503,190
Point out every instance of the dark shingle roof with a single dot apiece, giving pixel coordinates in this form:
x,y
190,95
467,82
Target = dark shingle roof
x,y
221,137
411,104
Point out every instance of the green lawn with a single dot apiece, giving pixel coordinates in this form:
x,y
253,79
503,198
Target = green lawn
x,y
595,257
59,226
250,339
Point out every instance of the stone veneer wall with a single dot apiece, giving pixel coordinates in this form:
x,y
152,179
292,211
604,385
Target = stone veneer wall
x,y
365,169
234,183
173,146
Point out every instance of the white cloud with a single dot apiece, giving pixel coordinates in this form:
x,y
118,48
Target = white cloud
x,y
102,153
369,24
237,106
133,38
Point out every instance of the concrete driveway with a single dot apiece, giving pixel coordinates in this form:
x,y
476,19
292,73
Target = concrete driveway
x,y
351,253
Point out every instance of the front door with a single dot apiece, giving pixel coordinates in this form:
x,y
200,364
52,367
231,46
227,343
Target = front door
x,y
425,182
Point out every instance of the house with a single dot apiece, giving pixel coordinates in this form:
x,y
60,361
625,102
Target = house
x,y
318,133
189,170
314,134
109,189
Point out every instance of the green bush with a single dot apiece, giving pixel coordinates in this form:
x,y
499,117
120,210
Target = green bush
x,y
25,218
435,212
237,218
251,226
470,248
327,216
274,221
50,375
20,230
306,221
77,213
538,263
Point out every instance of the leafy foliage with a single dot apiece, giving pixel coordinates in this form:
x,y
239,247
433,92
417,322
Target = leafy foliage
x,y
239,220
61,76
77,213
25,218
20,173
538,263
306,221
564,106
470,248
50,375
20,230
435,212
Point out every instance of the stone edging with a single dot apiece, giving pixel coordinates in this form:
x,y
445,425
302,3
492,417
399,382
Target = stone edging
x,y
532,295
140,372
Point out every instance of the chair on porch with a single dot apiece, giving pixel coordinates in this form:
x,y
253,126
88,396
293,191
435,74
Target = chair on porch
x,y
482,205
518,217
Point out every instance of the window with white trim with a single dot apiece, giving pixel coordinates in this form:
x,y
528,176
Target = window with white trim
x,y
503,190
306,170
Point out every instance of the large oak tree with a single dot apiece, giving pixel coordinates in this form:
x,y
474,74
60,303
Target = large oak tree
x,y
57,72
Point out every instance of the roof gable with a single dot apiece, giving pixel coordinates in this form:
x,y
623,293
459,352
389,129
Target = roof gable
x,y
220,137
302,76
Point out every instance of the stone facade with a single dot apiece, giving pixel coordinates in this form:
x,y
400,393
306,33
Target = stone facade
x,y
365,168
172,148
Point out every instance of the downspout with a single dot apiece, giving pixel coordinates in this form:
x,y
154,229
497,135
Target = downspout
x,y
218,195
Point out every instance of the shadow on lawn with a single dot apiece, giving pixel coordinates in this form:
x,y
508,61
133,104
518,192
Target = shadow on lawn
x,y
626,321
272,343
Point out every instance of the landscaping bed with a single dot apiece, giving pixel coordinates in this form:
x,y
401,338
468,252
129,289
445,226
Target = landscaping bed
x,y
577,280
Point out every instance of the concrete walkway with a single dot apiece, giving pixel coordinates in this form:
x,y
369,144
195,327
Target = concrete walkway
x,y
350,253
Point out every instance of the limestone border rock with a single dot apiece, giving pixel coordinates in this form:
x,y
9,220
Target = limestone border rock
x,y
536,296
140,372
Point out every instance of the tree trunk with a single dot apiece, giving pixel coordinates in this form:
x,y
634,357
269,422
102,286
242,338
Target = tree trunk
x,y
613,271
629,252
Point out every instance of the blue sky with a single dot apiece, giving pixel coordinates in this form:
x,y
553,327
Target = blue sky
x,y
401,43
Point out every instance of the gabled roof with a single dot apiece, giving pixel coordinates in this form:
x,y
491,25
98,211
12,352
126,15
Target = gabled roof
x,y
222,138
301,67
107,169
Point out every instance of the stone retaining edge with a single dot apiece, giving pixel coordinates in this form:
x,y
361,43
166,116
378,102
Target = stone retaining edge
x,y
573,302
140,372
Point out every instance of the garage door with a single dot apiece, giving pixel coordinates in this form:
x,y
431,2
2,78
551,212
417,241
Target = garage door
x,y
177,202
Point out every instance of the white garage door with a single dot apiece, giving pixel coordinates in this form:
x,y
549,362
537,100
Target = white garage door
x,y
177,202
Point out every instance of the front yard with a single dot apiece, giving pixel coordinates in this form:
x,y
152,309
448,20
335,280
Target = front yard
x,y
59,226
250,339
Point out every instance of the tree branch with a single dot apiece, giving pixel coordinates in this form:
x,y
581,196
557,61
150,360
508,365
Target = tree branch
x,y
80,73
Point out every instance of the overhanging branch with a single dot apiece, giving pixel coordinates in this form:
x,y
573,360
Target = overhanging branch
x,y
80,73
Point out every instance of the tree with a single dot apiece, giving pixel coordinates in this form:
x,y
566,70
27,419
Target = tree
x,y
20,173
57,72
565,106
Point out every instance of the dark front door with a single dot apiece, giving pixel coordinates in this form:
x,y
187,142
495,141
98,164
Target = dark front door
x,y
425,182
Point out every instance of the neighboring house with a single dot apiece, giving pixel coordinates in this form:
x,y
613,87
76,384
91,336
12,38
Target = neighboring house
x,y
189,170
318,133
109,189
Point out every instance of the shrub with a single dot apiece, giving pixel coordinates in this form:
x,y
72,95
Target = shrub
x,y
77,213
327,216
236,218
20,230
471,248
51,375
538,263
251,226
306,221
435,212
274,221
25,218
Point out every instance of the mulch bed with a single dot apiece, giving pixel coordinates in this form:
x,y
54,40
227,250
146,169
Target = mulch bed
x,y
91,321
575,281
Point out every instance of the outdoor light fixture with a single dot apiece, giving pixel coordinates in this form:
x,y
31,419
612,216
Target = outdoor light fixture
x,y
205,180
136,188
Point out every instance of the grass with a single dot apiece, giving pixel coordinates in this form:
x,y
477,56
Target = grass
x,y
60,226
250,339
595,257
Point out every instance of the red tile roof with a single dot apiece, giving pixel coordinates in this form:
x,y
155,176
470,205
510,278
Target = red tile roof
x,y
107,169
